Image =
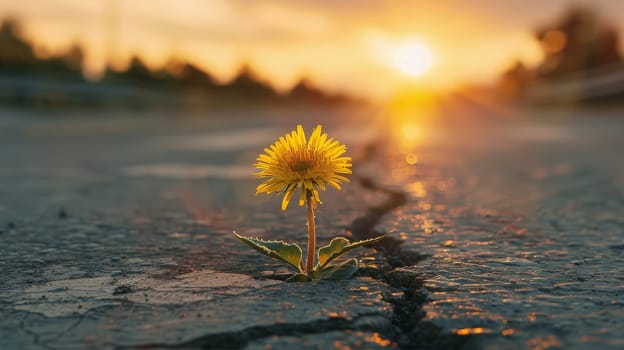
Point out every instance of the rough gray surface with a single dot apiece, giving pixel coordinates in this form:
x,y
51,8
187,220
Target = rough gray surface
x,y
524,225
221,321
116,232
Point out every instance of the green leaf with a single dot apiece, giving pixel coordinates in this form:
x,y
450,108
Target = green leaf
x,y
342,271
289,253
335,246
340,246
298,277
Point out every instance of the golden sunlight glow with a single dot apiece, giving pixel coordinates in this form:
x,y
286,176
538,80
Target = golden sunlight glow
x,y
369,51
411,132
470,331
413,59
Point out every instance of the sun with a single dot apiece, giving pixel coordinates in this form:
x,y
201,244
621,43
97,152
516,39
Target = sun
x,y
413,59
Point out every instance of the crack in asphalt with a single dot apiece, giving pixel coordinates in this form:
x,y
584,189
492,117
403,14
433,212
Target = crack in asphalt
x,y
408,315
62,333
407,329
364,227
45,343
240,338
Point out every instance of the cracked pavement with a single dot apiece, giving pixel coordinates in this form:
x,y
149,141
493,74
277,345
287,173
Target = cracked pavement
x,y
115,232
117,236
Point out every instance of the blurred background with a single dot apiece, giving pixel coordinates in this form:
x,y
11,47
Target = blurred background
x,y
199,54
128,130
195,89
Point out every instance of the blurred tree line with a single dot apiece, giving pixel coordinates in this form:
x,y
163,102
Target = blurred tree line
x,y
581,57
32,76
17,56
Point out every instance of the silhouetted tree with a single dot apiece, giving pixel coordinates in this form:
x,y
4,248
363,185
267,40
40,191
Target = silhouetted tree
x,y
305,92
137,70
74,57
514,81
577,42
249,85
192,75
18,56
14,50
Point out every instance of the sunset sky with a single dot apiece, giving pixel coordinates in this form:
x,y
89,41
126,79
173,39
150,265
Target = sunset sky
x,y
364,47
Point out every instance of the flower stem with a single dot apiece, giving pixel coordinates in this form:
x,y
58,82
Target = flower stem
x,y
311,235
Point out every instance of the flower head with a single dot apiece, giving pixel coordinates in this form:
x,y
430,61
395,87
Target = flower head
x,y
294,164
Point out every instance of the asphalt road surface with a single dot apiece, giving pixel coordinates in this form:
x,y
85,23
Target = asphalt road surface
x,y
115,231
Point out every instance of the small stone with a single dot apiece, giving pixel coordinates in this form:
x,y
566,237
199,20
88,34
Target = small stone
x,y
123,289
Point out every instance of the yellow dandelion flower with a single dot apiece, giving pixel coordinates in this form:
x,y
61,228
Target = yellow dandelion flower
x,y
294,164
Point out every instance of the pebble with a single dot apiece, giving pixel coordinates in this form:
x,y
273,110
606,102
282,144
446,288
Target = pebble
x,y
123,289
